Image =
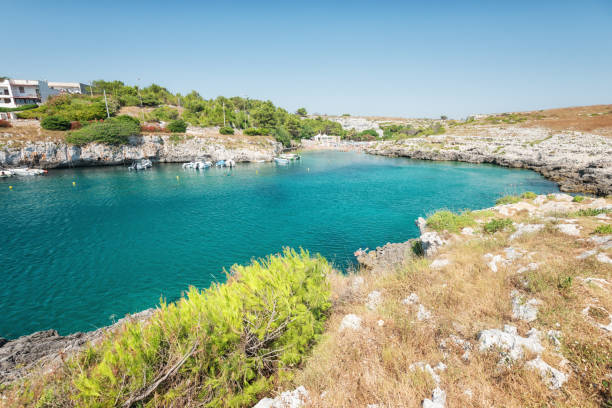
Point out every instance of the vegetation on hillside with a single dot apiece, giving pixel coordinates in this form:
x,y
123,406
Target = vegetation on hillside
x,y
221,347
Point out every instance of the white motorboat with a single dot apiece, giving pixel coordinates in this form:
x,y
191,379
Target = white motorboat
x,y
290,156
6,173
141,165
280,160
197,165
27,172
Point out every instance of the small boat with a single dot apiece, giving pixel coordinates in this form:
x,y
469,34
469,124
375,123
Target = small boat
x,y
220,163
197,165
230,163
141,165
290,156
27,172
6,173
280,160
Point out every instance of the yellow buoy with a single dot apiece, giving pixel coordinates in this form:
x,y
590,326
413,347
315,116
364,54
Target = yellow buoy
x,y
177,177
10,187
256,171
74,183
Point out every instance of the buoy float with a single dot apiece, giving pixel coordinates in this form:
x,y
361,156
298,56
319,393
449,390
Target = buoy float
x,y
177,177
256,171
74,183
309,169
10,187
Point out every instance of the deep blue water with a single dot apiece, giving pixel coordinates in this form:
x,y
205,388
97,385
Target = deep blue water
x,y
74,258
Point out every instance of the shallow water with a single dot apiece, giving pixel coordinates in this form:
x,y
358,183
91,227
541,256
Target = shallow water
x,y
74,258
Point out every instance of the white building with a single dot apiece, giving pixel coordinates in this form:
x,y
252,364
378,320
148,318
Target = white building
x,y
18,92
69,87
326,139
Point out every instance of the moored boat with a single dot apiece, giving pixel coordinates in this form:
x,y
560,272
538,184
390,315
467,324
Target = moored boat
x,y
6,173
280,160
290,156
141,165
26,172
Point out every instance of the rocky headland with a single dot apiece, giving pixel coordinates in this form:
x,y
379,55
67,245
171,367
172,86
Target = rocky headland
x,y
577,161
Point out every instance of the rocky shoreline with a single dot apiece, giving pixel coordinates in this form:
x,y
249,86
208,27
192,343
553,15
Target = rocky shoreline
x,y
578,162
158,148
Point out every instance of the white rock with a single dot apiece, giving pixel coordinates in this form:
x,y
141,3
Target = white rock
x,y
524,310
350,321
431,242
530,267
553,377
586,254
374,300
440,367
380,323
466,356
439,263
603,258
493,261
509,341
562,197
423,313
540,199
522,229
357,282
421,224
569,229
426,368
288,399
411,300
468,392
513,254
555,337
467,231
438,399
599,282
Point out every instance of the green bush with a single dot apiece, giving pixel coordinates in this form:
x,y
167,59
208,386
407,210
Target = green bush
x,y
591,212
529,195
177,126
163,113
257,131
509,199
450,221
578,199
55,123
226,130
282,136
127,119
113,131
603,229
226,343
20,108
497,224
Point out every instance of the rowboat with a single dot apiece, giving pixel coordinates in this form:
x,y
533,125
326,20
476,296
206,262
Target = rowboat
x,y
280,160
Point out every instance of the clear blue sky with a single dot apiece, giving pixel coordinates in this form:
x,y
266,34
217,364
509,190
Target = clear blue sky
x,y
400,58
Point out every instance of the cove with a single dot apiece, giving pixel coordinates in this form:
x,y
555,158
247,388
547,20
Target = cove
x,y
78,257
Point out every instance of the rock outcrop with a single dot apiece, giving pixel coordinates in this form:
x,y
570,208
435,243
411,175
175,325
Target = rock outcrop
x,y
578,161
158,148
48,349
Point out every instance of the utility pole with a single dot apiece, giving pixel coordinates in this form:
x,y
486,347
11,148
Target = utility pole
x,y
106,103
140,96
90,88
224,114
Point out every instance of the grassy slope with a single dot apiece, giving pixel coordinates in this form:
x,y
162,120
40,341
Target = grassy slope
x,y
372,365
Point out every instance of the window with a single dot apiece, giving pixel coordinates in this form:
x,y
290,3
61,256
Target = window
x,y
7,100
21,90
5,91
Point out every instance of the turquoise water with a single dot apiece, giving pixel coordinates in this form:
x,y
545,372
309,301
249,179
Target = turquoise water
x,y
74,258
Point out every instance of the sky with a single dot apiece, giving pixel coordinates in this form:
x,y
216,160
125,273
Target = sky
x,y
388,58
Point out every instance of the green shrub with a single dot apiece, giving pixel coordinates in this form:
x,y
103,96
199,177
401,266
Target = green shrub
x,y
591,212
509,199
163,113
113,131
497,224
226,130
20,108
227,342
257,131
177,126
281,135
55,123
529,195
603,229
450,221
578,199
127,119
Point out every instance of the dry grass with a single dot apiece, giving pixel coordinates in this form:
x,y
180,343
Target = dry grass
x,y
372,365
29,131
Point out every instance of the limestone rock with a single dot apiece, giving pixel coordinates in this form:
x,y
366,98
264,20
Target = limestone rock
x,y
509,341
569,229
524,310
553,377
288,399
438,399
351,322
374,300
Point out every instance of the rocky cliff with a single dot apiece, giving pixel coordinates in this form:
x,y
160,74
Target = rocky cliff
x,y
578,161
161,148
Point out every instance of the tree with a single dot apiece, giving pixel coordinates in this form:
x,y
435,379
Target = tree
x,y
177,126
443,117
301,112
